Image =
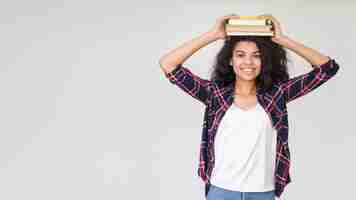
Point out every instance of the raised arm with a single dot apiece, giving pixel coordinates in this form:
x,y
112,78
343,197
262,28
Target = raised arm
x,y
171,63
324,67
177,56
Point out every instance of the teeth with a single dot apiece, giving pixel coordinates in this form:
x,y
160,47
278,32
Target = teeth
x,y
247,70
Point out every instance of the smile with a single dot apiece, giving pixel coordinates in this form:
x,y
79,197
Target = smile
x,y
247,69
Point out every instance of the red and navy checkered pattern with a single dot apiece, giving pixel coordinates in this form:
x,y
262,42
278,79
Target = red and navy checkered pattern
x,y
218,98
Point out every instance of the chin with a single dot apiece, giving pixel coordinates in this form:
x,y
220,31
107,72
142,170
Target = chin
x,y
247,78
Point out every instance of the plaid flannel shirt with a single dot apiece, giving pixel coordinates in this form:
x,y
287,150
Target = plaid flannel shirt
x,y
218,98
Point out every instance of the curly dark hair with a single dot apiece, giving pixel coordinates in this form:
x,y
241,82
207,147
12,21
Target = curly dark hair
x,y
273,59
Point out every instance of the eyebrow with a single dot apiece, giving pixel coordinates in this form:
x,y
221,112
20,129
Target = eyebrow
x,y
244,51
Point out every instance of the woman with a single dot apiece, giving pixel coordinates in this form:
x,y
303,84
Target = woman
x,y
244,150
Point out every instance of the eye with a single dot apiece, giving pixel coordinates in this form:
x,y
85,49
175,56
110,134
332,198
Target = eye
x,y
257,55
239,55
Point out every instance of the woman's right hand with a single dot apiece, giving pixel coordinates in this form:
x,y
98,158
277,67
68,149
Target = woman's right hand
x,y
218,31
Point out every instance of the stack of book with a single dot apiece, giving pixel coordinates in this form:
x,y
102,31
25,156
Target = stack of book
x,y
249,25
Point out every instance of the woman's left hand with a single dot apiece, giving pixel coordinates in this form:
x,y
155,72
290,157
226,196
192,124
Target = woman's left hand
x,y
278,35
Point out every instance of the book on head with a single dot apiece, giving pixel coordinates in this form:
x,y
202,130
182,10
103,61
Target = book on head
x,y
249,25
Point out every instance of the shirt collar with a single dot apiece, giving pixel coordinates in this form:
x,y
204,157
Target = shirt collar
x,y
230,89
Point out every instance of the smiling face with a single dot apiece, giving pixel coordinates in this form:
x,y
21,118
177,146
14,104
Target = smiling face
x,y
246,60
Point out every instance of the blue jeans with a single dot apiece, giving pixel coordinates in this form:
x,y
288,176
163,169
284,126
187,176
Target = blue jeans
x,y
217,193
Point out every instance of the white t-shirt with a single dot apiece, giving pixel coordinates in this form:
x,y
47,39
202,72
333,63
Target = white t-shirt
x,y
245,148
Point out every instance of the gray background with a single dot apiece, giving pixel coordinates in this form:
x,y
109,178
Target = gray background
x,y
86,112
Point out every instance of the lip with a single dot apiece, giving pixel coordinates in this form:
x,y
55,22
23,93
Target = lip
x,y
250,72
242,69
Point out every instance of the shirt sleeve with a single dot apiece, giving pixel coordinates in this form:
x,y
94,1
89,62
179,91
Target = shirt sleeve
x,y
305,83
190,83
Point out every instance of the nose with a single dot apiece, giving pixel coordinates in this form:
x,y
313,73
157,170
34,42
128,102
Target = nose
x,y
248,60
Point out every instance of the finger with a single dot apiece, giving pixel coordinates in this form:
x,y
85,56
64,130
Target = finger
x,y
270,17
230,16
264,16
227,17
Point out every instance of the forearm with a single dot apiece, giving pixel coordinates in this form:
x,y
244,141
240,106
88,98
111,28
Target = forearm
x,y
312,56
177,56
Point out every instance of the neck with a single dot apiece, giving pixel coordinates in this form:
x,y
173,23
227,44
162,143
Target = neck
x,y
245,87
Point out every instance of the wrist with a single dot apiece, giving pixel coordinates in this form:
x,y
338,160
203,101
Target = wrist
x,y
284,41
211,35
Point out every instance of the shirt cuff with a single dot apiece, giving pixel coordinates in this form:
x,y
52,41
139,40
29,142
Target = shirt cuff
x,y
172,76
324,64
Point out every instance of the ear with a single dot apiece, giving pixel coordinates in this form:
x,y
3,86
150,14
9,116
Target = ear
x,y
231,62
